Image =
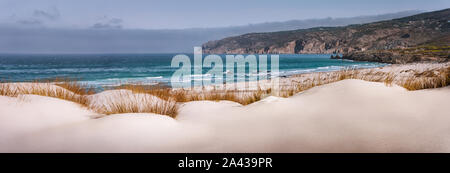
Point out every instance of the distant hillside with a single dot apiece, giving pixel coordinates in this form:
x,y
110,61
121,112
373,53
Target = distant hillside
x,y
28,39
303,24
426,29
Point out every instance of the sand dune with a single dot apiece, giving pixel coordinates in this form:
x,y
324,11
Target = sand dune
x,y
345,116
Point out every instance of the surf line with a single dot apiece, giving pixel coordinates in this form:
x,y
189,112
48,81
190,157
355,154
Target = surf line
x,y
234,65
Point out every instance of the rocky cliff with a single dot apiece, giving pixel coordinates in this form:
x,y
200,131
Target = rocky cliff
x,y
352,41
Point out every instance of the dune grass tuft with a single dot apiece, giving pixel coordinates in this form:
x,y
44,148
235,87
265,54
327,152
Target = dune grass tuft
x,y
50,90
74,86
47,89
129,102
6,89
428,79
183,95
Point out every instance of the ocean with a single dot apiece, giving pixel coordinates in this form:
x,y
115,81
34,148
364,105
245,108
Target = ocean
x,y
105,70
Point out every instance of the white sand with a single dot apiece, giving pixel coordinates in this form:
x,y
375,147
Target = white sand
x,y
346,116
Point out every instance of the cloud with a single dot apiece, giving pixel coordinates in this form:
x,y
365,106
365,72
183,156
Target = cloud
x,y
30,22
39,17
52,14
107,23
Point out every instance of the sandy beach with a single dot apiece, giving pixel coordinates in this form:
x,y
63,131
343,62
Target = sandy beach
x,y
348,115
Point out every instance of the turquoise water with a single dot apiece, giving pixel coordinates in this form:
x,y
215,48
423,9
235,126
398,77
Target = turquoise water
x,y
102,70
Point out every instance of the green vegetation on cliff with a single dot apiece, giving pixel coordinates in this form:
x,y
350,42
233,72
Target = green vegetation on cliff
x,y
422,37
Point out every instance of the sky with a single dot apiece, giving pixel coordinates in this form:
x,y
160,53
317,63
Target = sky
x,y
180,14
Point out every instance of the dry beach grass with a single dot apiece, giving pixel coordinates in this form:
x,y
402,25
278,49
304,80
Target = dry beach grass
x,y
166,101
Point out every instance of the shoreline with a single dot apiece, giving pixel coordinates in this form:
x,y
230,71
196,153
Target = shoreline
x,y
402,70
101,77
164,84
